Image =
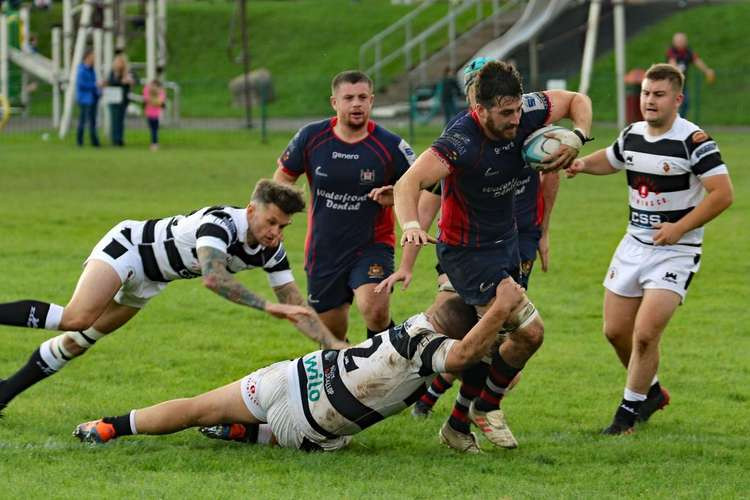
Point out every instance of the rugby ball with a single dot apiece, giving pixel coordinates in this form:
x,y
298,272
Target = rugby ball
x,y
536,147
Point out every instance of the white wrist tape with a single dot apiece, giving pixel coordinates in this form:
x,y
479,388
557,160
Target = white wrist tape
x,y
412,224
569,138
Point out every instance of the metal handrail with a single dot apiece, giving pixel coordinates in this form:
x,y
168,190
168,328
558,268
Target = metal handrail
x,y
404,22
449,21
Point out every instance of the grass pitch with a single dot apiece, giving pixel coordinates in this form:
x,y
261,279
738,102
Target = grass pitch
x,y
56,201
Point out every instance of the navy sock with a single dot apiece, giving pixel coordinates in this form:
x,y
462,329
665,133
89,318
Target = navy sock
x,y
499,378
471,385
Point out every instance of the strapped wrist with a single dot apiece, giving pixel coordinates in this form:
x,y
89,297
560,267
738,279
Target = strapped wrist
x,y
582,136
412,224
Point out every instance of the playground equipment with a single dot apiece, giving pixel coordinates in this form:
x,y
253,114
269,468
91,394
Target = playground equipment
x,y
102,22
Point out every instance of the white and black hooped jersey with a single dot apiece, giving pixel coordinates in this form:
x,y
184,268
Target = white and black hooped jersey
x,y
338,393
168,247
663,175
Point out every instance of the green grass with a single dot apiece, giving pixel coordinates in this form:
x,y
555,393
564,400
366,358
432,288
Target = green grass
x,y
56,201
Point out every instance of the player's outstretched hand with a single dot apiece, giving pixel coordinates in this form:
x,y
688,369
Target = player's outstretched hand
x,y
509,295
710,76
387,284
416,237
668,234
382,195
574,168
289,312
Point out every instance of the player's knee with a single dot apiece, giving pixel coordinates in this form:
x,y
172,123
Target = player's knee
x,y
645,340
77,321
612,333
377,318
534,333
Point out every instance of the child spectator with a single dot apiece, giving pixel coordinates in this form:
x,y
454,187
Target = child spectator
x,y
154,98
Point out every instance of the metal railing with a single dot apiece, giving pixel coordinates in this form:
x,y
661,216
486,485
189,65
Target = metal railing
x,y
375,44
419,42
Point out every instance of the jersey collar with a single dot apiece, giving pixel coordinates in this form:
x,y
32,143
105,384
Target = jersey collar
x,y
370,129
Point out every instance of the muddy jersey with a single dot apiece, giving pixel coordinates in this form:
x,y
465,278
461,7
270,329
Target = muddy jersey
x,y
341,392
664,175
342,220
478,193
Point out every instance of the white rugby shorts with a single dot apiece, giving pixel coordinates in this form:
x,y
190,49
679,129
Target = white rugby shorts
x,y
266,396
122,255
636,267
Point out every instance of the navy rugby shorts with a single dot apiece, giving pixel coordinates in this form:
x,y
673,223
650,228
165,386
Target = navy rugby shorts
x,y
476,272
372,265
528,244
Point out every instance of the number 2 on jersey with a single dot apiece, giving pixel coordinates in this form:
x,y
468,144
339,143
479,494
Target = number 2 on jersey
x,y
360,352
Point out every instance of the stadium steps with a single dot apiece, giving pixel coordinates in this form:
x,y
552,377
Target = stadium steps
x,y
431,71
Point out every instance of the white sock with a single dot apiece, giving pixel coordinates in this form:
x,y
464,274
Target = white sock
x,y
633,396
264,434
52,352
132,423
54,315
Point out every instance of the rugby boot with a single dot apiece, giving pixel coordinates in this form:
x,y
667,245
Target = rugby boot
x,y
493,425
421,410
231,432
465,443
652,404
95,432
618,428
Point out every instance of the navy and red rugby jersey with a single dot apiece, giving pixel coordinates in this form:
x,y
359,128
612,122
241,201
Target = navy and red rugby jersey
x,y
478,194
342,220
683,58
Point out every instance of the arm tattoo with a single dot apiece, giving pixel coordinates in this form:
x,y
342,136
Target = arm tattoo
x,y
289,294
218,279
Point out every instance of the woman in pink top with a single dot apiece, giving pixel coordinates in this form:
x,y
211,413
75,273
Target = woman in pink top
x,y
154,98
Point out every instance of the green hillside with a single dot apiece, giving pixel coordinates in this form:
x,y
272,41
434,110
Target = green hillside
x,y
304,42
716,33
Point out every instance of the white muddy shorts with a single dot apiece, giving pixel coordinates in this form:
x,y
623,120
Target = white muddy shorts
x,y
117,249
266,395
636,267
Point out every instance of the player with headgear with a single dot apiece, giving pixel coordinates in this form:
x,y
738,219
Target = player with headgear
x,y
479,161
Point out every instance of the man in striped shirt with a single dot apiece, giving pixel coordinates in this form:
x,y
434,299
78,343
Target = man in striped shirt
x,y
135,260
669,163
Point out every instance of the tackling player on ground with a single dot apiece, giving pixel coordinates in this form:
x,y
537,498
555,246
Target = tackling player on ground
x,y
351,164
479,161
135,260
317,401
669,161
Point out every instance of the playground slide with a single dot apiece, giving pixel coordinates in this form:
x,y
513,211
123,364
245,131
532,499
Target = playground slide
x,y
37,65
536,15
